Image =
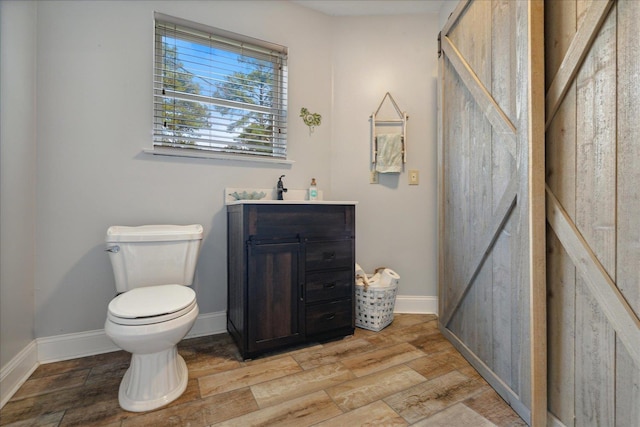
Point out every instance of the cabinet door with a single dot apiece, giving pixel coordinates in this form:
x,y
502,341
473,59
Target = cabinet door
x,y
274,296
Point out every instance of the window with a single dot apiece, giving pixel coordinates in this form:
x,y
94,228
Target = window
x,y
218,91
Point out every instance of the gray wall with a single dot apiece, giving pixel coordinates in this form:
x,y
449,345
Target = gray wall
x,y
448,6
396,221
94,94
17,176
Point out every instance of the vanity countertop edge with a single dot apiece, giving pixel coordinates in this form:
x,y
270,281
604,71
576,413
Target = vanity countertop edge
x,y
292,202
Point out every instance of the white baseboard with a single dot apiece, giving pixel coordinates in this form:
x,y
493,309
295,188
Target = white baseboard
x,y
72,346
209,324
16,372
416,304
81,344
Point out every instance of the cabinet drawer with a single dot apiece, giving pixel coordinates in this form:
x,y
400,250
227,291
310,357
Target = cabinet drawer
x,y
326,317
328,285
282,220
329,254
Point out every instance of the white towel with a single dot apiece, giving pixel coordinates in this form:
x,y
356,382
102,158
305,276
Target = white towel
x,y
384,279
389,158
361,276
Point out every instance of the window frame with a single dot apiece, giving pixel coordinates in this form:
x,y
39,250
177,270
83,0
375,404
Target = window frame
x,y
210,147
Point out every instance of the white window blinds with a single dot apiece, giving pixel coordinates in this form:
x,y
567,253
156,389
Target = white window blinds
x,y
218,91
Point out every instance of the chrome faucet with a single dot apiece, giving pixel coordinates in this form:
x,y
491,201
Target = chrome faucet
x,y
280,188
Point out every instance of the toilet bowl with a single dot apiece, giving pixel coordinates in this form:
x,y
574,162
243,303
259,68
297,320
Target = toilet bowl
x,y
148,319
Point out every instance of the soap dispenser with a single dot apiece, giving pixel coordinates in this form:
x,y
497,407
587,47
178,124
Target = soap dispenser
x,y
313,190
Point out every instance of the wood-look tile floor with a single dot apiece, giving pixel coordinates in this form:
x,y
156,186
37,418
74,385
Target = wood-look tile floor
x,y
406,374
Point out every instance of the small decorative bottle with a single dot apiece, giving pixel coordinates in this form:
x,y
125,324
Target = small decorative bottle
x,y
313,190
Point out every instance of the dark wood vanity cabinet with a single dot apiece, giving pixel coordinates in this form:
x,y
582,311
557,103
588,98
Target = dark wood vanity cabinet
x,y
290,273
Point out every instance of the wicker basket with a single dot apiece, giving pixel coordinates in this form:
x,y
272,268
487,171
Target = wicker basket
x,y
374,306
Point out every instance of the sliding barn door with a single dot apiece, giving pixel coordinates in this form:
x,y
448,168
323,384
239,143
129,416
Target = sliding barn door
x,y
491,219
593,204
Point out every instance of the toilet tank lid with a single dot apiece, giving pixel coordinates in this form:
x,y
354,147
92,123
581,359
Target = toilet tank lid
x,y
154,233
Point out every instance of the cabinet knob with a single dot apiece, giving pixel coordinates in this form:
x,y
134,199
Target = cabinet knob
x,y
329,256
329,316
329,285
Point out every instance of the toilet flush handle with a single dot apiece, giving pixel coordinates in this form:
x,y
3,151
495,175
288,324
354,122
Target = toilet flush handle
x,y
113,249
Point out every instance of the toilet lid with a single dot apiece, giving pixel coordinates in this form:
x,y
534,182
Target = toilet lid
x,y
145,305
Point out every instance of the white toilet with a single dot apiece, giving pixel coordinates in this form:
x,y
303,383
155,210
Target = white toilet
x,y
153,267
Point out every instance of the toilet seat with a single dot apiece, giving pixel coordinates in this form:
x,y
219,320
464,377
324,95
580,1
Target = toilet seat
x,y
151,304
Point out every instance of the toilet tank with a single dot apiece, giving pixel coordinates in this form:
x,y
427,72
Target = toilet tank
x,y
150,255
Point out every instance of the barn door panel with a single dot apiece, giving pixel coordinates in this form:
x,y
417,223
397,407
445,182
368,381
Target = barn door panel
x,y
491,168
593,211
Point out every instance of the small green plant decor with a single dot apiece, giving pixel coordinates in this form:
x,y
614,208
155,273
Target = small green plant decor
x,y
310,119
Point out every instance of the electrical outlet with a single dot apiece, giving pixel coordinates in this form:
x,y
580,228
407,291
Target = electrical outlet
x,y
373,177
414,177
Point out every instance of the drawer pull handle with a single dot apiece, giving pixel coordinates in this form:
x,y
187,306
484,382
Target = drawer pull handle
x,y
328,256
329,285
329,316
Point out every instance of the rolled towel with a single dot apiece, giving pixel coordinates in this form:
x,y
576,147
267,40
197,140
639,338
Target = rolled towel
x,y
384,278
388,278
374,280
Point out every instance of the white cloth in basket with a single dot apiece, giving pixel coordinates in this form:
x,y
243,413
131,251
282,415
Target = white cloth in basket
x,y
384,279
361,276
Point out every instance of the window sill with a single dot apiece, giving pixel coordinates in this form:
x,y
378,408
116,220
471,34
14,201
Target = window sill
x,y
196,154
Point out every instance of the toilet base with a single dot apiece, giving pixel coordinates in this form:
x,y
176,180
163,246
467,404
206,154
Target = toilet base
x,y
153,380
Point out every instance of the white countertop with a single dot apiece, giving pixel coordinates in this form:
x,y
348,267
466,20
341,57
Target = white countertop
x,y
291,197
292,202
